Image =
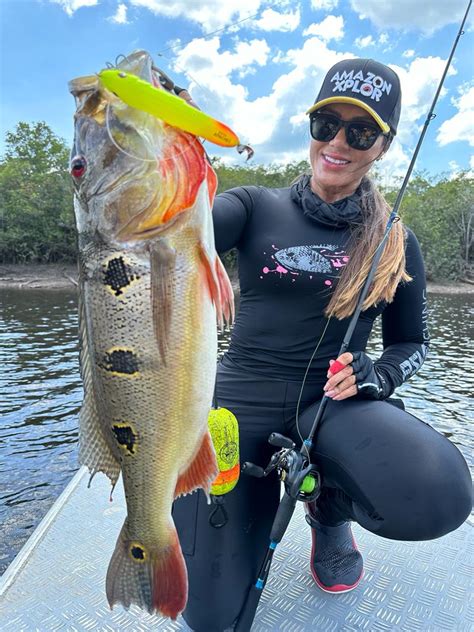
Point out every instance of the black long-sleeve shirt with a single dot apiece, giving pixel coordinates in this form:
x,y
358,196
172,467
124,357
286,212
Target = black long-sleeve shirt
x,y
288,268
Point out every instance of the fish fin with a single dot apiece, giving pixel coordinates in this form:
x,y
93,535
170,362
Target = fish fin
x,y
201,472
227,292
157,581
219,286
211,182
163,259
94,450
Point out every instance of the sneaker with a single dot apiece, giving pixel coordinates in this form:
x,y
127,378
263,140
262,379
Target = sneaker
x,y
336,564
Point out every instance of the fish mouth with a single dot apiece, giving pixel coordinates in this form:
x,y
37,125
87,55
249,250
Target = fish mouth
x,y
83,84
171,165
138,63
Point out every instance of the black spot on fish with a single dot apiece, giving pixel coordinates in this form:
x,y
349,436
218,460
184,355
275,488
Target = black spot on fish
x,y
118,275
120,361
138,553
125,436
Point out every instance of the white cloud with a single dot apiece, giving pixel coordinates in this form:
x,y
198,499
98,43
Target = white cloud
x,y
271,20
327,5
461,126
265,120
212,14
121,15
383,38
454,169
275,122
393,164
426,15
419,82
70,6
332,27
408,53
363,42
210,71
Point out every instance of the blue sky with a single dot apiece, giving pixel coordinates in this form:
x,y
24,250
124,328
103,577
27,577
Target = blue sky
x,y
259,75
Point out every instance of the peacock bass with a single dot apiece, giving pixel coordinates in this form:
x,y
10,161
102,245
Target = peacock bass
x,y
151,285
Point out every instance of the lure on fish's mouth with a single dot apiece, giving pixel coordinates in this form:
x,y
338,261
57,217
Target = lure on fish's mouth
x,y
173,110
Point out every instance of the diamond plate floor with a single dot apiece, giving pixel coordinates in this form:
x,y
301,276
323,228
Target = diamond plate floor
x,y
53,584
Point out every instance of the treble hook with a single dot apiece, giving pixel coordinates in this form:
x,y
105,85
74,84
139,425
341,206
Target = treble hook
x,y
248,149
117,62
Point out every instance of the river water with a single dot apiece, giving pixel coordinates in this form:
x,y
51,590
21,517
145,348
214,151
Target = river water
x,y
40,396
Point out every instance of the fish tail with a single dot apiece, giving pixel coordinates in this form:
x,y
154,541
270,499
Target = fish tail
x,y
155,581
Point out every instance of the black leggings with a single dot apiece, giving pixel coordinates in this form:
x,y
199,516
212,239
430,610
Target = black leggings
x,y
380,466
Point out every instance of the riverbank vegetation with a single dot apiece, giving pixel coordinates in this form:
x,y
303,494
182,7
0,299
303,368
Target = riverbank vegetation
x,y
37,219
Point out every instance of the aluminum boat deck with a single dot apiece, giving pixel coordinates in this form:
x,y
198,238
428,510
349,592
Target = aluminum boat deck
x,y
57,581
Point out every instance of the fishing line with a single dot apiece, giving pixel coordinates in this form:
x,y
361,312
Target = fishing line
x,y
186,73
304,382
319,344
379,246
206,35
298,473
207,93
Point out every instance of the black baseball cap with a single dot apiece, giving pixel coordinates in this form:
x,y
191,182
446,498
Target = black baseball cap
x,y
367,84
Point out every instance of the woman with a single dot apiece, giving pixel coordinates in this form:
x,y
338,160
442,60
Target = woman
x,y
304,253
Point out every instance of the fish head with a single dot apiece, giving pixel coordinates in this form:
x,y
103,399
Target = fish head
x,y
134,176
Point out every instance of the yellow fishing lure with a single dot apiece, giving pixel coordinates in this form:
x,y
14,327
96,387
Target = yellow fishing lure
x,y
140,94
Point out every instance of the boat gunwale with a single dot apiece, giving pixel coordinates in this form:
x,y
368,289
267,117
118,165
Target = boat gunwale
x,y
18,563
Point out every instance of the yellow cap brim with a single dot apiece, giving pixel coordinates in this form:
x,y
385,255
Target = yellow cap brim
x,y
383,126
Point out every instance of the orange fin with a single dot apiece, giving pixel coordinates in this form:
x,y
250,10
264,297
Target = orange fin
x,y
211,183
170,581
202,471
226,292
155,580
219,286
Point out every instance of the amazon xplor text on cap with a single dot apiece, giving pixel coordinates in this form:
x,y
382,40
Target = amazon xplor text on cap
x,y
367,84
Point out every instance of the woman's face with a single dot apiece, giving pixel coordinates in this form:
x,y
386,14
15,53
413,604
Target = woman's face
x,y
337,168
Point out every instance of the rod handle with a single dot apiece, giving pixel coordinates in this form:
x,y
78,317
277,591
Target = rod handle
x,y
283,516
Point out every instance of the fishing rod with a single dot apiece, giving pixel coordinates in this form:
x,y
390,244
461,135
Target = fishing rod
x,y
301,478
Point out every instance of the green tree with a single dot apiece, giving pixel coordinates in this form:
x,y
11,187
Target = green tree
x,y
441,214
257,175
36,211
38,145
37,219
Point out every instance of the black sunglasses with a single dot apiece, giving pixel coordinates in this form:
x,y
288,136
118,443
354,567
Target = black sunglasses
x,y
359,134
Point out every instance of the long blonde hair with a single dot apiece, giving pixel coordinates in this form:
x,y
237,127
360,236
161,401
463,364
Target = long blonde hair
x,y
364,240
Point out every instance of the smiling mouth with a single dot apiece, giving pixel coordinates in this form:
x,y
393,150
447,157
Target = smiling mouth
x,y
335,161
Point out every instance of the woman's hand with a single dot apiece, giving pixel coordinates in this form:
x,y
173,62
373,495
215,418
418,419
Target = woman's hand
x,y
354,373
182,93
342,384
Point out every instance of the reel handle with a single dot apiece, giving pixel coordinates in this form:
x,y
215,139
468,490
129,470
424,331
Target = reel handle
x,y
253,470
280,441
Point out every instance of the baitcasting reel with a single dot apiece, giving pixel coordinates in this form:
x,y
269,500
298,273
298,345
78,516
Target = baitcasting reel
x,y
300,477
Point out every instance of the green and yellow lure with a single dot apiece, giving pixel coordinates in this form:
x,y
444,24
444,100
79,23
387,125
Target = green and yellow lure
x,y
142,95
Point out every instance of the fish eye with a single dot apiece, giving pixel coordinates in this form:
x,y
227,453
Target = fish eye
x,y
78,166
